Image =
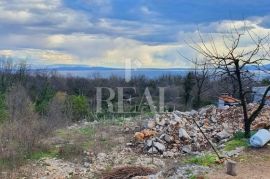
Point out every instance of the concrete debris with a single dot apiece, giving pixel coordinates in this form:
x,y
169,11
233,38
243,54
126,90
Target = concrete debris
x,y
222,135
174,133
160,147
183,134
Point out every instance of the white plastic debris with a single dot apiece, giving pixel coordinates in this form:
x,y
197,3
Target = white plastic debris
x,y
260,138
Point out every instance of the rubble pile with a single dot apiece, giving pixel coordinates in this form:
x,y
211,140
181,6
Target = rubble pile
x,y
171,134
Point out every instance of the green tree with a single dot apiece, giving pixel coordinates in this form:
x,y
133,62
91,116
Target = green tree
x,y
3,108
43,99
79,106
188,85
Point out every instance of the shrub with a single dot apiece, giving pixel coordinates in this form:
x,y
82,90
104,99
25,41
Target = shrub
x,y
3,108
44,99
79,106
69,151
21,132
57,114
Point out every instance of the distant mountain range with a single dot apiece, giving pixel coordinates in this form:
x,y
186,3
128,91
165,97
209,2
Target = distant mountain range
x,y
77,67
106,72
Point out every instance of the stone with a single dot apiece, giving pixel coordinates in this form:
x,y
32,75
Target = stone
x,y
193,112
176,131
149,142
183,134
152,150
101,156
234,153
139,136
168,154
160,122
86,164
168,138
222,135
160,147
213,119
129,144
186,149
151,124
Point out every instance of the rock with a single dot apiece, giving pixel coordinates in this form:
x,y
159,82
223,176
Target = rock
x,y
193,112
186,149
213,119
168,154
139,136
177,133
168,138
150,142
101,156
160,147
222,135
86,164
160,122
183,134
129,144
151,124
233,153
152,150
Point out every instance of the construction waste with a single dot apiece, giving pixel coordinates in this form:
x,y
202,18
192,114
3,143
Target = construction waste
x,y
171,134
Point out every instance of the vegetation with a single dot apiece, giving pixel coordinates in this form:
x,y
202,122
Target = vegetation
x,y
234,143
34,105
204,160
238,140
79,106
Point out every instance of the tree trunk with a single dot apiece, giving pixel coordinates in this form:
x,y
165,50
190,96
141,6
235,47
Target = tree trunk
x,y
242,99
247,129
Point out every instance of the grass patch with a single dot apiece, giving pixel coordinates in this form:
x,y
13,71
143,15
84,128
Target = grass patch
x,y
241,134
87,144
70,151
204,160
234,143
238,140
42,154
89,131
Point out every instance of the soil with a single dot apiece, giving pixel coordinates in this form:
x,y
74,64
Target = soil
x,y
252,164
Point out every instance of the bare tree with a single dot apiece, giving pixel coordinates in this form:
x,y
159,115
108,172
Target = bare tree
x,y
202,74
233,62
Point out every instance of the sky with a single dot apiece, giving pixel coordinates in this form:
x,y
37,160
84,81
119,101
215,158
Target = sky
x,y
149,33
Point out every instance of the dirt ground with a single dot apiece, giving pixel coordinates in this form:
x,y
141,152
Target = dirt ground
x,y
252,164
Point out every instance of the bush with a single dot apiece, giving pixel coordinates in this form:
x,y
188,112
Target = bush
x,y
70,151
57,114
44,99
21,132
79,107
3,108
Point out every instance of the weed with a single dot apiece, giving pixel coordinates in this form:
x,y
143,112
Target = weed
x,y
70,151
192,177
234,143
204,160
89,131
42,154
241,134
238,140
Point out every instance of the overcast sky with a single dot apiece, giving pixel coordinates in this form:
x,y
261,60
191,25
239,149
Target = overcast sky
x,y
106,32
